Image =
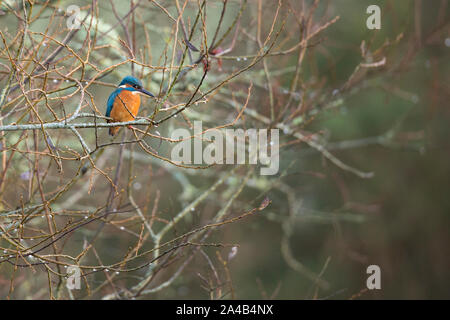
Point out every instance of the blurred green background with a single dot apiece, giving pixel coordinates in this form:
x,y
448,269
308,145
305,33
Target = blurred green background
x,y
406,204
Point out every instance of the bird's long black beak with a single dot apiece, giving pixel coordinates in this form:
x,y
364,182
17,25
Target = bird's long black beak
x,y
146,92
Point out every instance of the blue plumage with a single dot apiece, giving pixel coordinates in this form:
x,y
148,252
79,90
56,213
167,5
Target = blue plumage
x,y
132,81
110,102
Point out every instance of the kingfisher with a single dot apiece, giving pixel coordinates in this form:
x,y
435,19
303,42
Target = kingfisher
x,y
124,102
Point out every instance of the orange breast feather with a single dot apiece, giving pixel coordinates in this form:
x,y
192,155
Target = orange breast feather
x,y
126,106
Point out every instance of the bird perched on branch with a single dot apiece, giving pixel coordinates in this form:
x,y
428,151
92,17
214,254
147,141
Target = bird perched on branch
x,y
123,104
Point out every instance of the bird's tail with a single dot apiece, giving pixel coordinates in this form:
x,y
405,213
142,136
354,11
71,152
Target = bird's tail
x,y
113,130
